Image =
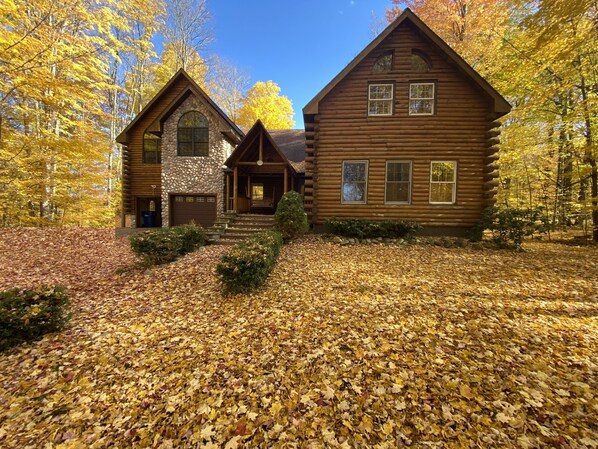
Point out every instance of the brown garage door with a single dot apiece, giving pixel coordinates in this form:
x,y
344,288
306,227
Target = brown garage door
x,y
200,209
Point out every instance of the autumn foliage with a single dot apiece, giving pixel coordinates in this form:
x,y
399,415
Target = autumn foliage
x,y
364,345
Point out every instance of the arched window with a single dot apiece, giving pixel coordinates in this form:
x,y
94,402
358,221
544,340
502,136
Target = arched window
x,y
151,149
419,62
193,135
383,64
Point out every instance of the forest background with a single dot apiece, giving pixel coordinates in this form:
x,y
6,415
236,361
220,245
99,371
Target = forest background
x,y
73,73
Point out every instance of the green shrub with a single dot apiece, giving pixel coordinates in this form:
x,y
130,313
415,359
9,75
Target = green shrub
x,y
249,263
167,244
362,229
26,315
508,226
191,236
290,217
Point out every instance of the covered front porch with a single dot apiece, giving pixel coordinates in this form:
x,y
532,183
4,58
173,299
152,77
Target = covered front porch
x,y
258,174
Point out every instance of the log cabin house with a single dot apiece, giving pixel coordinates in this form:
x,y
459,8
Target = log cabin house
x,y
408,130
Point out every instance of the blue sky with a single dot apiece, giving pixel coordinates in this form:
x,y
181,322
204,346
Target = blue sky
x,y
299,44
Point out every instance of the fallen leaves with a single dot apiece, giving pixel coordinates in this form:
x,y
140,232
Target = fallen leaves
x,y
362,346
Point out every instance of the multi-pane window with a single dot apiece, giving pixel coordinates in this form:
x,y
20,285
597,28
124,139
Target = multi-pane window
x,y
383,64
421,98
193,135
151,149
443,182
380,98
355,182
398,182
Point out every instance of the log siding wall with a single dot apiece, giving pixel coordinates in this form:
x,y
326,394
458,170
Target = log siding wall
x,y
459,130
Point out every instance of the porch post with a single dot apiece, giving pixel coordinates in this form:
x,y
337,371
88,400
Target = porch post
x,y
261,148
227,202
286,179
249,185
235,186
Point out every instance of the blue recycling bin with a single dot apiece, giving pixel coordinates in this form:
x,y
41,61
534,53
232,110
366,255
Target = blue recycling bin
x,y
149,219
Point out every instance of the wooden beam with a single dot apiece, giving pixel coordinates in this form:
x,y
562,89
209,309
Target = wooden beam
x,y
272,164
261,150
249,185
286,179
235,186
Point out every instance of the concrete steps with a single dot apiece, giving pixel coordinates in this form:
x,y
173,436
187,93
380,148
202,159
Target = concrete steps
x,y
243,227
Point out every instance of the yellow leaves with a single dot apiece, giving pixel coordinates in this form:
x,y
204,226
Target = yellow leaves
x,y
270,370
264,102
466,391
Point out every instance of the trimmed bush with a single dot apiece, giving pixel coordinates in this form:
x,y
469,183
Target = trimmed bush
x,y
290,218
27,315
508,226
167,244
249,263
368,229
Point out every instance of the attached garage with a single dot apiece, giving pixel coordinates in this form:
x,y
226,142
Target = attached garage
x,y
200,209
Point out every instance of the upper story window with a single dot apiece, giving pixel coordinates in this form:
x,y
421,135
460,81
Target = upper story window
x,y
193,135
383,64
421,98
151,149
380,98
443,182
355,182
398,182
419,62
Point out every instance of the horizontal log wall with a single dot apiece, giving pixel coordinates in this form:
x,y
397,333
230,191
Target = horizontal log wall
x,y
460,130
138,177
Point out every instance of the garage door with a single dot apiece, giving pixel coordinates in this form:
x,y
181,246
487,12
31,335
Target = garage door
x,y
200,209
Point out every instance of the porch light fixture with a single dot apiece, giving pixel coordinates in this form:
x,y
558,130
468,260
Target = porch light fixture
x,y
260,162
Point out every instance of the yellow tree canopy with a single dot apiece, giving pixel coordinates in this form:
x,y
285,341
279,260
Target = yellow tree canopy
x,y
264,102
167,66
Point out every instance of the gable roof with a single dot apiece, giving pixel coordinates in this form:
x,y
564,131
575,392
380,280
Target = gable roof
x,y
501,106
291,143
235,133
288,143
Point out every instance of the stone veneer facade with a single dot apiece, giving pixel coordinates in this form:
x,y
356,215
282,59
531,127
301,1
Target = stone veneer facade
x,y
194,175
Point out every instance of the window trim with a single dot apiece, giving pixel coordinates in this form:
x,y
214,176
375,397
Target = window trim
x,y
454,183
391,99
193,142
367,168
401,161
433,98
158,150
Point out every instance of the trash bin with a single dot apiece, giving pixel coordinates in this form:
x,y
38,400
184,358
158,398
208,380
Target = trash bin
x,y
149,219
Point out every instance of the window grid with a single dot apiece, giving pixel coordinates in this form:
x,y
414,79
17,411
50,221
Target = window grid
x,y
421,98
443,182
151,153
399,186
193,135
380,97
354,185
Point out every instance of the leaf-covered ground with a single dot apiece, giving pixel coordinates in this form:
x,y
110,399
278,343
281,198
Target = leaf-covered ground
x,y
359,346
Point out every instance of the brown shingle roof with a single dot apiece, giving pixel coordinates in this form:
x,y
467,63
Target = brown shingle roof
x,y
291,142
